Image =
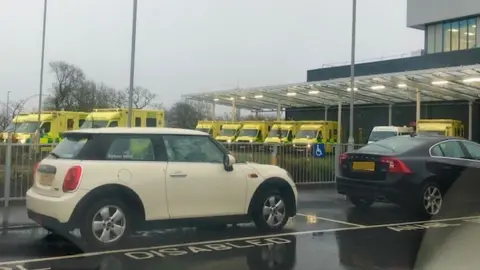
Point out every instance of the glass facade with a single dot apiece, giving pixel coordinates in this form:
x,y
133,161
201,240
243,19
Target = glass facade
x,y
453,35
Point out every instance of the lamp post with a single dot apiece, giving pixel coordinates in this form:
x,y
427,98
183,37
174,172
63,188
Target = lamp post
x,y
132,63
40,92
351,140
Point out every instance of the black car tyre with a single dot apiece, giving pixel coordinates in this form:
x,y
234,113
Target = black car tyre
x,y
431,200
107,223
361,202
270,211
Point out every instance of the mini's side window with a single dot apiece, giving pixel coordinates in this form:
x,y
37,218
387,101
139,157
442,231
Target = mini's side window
x,y
188,148
473,149
436,151
452,149
131,148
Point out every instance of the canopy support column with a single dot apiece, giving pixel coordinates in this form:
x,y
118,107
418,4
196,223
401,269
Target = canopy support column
x,y
213,111
326,113
234,111
417,109
470,119
279,111
390,114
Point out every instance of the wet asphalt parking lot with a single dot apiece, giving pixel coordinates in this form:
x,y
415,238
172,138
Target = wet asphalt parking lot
x,y
328,233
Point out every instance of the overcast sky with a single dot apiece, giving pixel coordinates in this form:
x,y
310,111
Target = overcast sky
x,y
188,46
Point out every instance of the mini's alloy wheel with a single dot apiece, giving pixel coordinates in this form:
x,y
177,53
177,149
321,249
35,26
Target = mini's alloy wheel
x,y
109,224
274,211
106,223
432,200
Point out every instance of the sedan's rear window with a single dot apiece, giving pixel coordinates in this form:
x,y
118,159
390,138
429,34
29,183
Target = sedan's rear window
x,y
397,145
71,145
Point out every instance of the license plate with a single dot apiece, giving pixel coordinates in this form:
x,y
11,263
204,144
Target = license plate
x,y
363,166
46,179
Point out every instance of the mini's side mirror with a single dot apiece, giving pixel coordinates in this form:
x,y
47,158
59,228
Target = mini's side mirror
x,y
228,161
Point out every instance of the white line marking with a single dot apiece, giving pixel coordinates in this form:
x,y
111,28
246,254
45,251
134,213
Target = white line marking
x,y
90,254
332,220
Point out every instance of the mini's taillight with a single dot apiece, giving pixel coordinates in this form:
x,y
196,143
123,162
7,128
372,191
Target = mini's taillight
x,y
395,165
72,179
343,157
35,168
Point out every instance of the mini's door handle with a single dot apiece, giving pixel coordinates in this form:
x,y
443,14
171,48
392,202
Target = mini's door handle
x,y
178,174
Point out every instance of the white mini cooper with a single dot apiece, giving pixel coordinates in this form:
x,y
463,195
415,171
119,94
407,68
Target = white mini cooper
x,y
109,182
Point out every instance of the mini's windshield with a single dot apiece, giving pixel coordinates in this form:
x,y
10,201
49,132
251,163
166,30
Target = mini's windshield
x,y
380,135
228,132
278,133
306,134
94,124
248,132
27,127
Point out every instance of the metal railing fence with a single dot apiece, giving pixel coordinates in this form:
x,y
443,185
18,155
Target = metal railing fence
x,y
301,162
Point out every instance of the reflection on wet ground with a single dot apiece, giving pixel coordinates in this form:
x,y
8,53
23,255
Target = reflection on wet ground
x,y
327,234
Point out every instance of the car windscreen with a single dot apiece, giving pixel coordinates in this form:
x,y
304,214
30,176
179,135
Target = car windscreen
x,y
248,132
228,132
27,127
380,135
432,132
392,145
306,134
71,145
94,124
278,133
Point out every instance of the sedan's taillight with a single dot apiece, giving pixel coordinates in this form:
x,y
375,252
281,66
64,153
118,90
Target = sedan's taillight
x,y
35,168
395,165
72,178
343,157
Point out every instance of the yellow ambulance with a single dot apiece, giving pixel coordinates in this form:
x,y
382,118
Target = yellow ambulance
x,y
315,132
446,127
100,118
229,132
282,132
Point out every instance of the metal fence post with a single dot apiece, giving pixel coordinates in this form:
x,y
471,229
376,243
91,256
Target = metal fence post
x,y
274,154
7,179
335,162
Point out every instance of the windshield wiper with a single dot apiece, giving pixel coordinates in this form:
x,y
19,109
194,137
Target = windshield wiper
x,y
54,155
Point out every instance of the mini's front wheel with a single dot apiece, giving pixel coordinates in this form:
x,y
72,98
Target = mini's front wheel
x,y
270,211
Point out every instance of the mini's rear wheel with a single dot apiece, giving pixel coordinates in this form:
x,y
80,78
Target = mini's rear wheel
x,y
106,224
270,211
361,202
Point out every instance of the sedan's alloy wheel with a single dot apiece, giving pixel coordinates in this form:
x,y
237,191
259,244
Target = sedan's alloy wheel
x,y
432,200
109,224
274,211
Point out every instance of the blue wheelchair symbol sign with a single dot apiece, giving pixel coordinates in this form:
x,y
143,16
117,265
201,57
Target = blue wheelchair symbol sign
x,y
318,150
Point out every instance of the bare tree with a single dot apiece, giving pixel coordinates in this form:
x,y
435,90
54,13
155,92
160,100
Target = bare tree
x,y
185,115
14,109
141,97
69,80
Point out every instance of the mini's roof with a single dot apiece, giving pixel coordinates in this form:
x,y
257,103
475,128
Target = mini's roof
x,y
139,130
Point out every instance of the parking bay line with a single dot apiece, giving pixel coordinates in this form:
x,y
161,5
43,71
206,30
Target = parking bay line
x,y
99,253
332,220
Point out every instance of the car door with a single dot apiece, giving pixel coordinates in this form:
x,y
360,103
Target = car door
x,y
197,183
449,160
140,164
